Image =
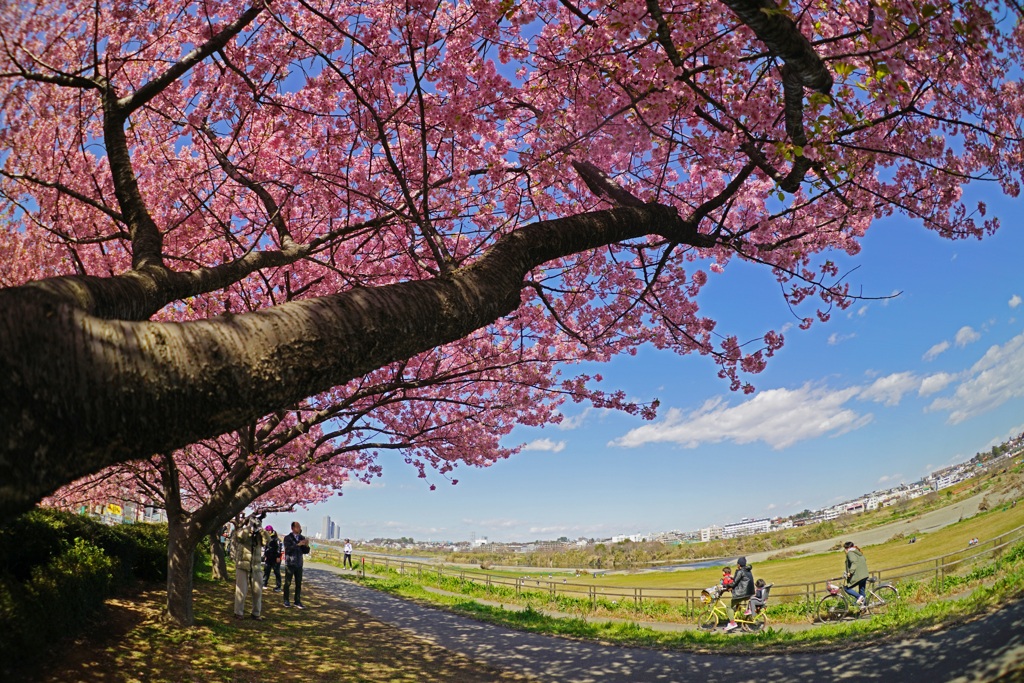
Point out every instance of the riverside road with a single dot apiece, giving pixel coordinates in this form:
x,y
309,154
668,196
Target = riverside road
x,y
988,649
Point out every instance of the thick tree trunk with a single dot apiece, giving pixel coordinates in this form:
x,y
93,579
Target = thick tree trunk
x,y
181,553
218,558
82,392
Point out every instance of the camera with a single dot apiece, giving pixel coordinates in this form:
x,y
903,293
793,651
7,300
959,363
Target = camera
x,y
255,521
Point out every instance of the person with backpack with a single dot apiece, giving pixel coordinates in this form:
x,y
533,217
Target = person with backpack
x,y
272,559
247,541
742,590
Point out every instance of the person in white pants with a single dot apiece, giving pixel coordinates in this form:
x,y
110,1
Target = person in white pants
x,y
248,544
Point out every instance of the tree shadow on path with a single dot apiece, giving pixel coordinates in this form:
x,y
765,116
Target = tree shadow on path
x,y
989,649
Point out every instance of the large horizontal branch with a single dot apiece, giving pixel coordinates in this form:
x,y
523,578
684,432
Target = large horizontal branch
x,y
82,392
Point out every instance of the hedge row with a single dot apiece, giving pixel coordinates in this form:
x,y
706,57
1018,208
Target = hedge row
x,y
58,569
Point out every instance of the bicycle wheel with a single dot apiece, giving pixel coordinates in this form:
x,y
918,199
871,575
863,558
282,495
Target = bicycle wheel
x,y
882,598
708,621
756,623
832,608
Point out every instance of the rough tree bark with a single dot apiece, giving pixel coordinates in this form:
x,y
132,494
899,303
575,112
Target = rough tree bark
x,y
85,392
218,558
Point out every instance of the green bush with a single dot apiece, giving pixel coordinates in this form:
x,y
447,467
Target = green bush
x,y
59,569
57,599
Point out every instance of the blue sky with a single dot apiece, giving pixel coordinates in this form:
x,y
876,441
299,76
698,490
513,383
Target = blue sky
x,y
883,393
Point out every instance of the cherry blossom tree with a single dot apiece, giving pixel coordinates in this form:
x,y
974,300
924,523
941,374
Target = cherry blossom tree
x,y
289,459
216,212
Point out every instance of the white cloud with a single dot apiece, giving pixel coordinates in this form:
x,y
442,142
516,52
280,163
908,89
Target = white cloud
x,y
890,477
493,523
935,383
966,335
570,422
1010,433
890,389
836,338
1015,301
995,379
352,484
936,351
545,445
895,293
778,417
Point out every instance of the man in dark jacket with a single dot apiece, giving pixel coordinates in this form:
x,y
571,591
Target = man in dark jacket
x,y
742,590
272,559
295,546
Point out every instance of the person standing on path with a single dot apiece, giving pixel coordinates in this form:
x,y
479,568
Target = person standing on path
x,y
272,559
295,546
347,560
856,572
247,542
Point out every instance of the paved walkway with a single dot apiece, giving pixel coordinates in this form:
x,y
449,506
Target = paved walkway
x,y
980,651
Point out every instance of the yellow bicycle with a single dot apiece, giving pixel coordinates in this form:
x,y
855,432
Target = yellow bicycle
x,y
715,614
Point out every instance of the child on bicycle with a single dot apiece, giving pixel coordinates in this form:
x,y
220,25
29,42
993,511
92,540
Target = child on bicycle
x,y
757,602
726,581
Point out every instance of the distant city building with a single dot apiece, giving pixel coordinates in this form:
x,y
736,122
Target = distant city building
x,y
711,533
745,527
327,530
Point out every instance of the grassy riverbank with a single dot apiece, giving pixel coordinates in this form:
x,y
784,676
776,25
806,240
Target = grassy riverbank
x,y
934,608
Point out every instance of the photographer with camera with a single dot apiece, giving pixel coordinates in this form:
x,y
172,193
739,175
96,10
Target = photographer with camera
x,y
248,541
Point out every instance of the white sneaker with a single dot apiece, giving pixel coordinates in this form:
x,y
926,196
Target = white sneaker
x,y
732,625
860,601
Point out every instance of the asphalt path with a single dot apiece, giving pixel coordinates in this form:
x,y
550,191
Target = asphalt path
x,y
985,650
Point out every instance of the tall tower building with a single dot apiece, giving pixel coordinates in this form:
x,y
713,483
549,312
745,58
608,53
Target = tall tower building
x,y
326,529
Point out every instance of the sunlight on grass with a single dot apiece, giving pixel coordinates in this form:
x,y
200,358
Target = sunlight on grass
x,y
326,642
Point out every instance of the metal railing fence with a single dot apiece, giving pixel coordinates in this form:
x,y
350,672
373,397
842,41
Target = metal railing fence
x,y
938,568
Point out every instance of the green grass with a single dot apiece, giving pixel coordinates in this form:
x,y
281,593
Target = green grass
x,y
901,620
655,606
818,567
326,642
805,569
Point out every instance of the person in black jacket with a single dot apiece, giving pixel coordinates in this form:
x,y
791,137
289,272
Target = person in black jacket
x,y
295,546
742,590
272,559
